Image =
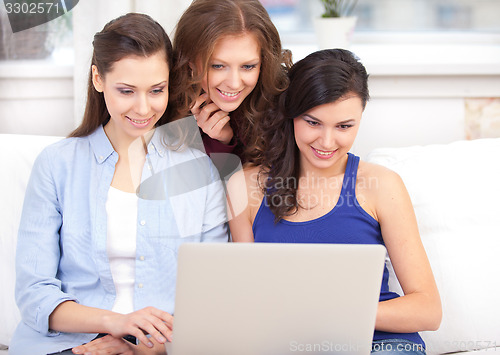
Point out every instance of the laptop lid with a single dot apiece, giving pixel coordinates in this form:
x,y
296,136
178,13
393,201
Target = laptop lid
x,y
276,299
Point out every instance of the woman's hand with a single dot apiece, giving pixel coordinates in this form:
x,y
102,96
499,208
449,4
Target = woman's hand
x,y
212,120
71,317
105,345
111,345
148,320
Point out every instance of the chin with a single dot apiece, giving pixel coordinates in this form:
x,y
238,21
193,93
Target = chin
x,y
228,107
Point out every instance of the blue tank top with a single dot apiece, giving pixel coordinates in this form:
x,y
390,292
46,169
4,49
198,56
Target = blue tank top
x,y
346,223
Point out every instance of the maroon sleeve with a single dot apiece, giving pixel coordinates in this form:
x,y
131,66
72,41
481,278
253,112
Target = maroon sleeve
x,y
215,146
235,146
223,163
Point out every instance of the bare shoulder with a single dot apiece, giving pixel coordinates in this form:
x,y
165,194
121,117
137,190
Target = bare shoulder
x,y
377,178
376,187
250,177
245,187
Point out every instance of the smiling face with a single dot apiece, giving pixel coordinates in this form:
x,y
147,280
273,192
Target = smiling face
x,y
233,71
136,95
325,134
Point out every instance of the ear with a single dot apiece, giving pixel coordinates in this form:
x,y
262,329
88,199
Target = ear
x,y
97,79
191,69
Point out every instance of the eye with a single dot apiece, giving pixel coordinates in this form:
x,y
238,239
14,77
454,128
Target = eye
x,y
157,91
125,91
217,66
311,122
249,66
345,126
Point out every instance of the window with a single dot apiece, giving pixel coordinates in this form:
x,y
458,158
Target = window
x,y
51,40
295,16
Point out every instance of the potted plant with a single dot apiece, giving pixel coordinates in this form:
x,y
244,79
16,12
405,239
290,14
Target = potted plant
x,y
335,27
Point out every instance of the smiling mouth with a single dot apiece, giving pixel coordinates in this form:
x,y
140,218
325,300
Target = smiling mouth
x,y
140,121
229,94
324,153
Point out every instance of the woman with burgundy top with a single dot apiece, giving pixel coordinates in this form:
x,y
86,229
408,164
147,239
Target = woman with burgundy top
x,y
230,65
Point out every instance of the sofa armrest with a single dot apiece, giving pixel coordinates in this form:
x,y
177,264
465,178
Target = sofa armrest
x,y
455,192
17,154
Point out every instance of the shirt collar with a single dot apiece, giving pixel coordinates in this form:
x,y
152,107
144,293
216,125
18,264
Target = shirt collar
x,y
103,149
156,144
101,146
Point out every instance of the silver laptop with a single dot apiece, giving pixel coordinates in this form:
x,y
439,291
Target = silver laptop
x,y
276,299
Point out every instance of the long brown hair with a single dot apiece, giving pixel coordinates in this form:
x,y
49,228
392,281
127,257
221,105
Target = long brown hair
x,y
132,34
203,24
320,78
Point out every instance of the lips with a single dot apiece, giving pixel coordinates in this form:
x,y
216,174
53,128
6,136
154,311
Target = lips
x,y
229,95
323,154
139,123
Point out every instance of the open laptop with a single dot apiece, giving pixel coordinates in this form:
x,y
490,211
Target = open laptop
x,y
276,299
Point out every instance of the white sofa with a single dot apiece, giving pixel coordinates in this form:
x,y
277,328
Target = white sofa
x,y
455,190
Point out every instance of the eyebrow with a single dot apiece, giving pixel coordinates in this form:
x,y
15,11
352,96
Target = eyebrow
x,y
318,120
255,60
132,86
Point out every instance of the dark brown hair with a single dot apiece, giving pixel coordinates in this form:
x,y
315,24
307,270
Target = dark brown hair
x,y
320,78
132,34
203,24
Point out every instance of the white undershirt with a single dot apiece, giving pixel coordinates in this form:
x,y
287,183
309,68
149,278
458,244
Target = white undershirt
x,y
121,209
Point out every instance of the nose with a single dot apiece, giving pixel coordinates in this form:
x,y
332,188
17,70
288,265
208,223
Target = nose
x,y
234,79
328,138
142,106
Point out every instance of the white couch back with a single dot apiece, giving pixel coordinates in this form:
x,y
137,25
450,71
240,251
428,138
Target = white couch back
x,y
17,154
455,190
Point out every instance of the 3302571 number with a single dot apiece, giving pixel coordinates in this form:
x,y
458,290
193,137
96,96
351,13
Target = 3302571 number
x,y
31,8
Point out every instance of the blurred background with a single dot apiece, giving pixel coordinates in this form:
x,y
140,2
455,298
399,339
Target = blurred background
x,y
434,65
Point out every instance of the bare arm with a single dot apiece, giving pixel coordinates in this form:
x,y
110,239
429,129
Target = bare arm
x,y
244,197
72,317
420,307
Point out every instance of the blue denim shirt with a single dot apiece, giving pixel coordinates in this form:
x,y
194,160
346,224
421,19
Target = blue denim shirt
x,y
61,250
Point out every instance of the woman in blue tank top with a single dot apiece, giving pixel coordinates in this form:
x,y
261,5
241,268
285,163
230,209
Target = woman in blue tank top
x,y
310,189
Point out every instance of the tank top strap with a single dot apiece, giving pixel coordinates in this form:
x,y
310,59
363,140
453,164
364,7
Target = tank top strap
x,y
350,175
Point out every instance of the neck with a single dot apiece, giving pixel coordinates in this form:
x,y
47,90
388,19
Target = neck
x,y
122,143
309,172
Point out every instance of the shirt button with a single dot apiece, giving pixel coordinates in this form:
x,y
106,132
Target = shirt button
x,y
101,157
143,222
140,285
141,258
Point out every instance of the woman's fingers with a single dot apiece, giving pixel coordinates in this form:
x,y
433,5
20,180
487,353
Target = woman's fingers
x,y
219,123
160,325
206,113
151,321
216,125
211,119
105,345
198,104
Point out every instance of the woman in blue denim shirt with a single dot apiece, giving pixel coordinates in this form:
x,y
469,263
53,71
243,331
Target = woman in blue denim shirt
x,y
97,244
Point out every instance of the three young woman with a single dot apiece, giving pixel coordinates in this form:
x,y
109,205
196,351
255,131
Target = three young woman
x,y
95,255
310,189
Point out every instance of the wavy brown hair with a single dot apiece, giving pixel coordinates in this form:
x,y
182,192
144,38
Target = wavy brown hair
x,y
320,78
199,29
132,34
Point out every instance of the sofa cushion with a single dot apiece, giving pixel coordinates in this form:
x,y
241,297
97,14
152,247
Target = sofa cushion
x,y
17,154
455,190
